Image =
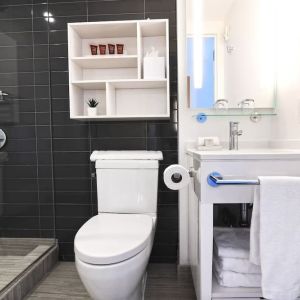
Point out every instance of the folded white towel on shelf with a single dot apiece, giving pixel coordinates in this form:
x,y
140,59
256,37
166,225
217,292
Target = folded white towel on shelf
x,y
232,242
238,265
275,236
233,279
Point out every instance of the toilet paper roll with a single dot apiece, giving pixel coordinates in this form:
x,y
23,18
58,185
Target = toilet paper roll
x,y
176,177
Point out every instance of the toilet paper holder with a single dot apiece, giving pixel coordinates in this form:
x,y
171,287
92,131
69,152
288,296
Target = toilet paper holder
x,y
176,177
192,172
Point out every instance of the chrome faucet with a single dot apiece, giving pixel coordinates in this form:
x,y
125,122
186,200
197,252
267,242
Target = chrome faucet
x,y
2,94
234,134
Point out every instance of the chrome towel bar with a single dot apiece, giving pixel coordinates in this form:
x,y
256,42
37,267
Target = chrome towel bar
x,y
216,179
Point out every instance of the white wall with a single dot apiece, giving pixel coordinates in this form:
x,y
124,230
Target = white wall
x,y
286,125
282,130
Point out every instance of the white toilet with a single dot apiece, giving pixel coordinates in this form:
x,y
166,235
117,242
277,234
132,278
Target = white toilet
x,y
112,249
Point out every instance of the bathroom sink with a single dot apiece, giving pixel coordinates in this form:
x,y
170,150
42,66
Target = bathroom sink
x,y
244,154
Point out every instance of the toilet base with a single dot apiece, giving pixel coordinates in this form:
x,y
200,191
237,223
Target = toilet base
x,y
144,283
122,281
140,291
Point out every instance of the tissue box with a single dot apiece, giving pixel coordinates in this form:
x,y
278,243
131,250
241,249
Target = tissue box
x,y
154,68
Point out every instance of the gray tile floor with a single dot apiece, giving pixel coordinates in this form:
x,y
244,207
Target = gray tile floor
x,y
164,282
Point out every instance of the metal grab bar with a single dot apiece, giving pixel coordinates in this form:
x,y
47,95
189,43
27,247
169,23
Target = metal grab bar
x,y
215,179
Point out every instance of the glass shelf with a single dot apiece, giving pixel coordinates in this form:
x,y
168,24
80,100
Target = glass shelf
x,y
236,112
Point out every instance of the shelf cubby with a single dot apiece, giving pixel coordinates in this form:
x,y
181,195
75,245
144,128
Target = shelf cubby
x,y
117,80
138,98
153,35
81,94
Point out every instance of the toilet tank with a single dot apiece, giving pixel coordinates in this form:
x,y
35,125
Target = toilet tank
x,y
127,181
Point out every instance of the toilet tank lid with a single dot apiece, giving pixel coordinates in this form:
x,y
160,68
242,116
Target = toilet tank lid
x,y
126,155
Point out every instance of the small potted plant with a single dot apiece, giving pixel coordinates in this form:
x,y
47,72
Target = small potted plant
x,y
92,107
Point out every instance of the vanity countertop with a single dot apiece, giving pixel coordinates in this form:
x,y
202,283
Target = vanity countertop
x,y
245,154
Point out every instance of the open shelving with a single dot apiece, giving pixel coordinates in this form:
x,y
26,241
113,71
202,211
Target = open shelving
x,y
220,292
116,81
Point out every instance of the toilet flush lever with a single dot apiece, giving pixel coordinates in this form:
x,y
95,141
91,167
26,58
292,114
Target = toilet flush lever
x,y
2,138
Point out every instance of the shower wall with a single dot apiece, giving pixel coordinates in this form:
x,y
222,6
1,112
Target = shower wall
x,y
26,177
49,153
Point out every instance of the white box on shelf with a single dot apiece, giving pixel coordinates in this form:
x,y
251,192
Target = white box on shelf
x,y
154,67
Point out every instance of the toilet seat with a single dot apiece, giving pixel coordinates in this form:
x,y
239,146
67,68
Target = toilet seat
x,y
112,238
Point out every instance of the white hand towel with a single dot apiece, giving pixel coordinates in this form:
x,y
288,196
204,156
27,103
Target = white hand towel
x,y
233,279
275,236
232,242
238,265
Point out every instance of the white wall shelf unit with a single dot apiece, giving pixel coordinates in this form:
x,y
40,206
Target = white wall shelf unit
x,y
117,80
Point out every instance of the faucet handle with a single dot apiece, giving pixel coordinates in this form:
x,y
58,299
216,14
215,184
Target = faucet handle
x,y
221,104
2,94
234,123
239,132
247,103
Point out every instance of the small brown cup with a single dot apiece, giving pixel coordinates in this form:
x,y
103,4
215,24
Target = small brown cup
x,y
102,49
111,48
120,48
94,49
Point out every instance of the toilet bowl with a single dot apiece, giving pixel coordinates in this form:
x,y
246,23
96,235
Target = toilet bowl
x,y
112,249
112,253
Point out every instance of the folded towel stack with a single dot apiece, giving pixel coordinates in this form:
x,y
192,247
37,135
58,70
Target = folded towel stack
x,y
231,264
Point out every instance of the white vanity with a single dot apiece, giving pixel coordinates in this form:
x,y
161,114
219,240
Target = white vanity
x,y
236,166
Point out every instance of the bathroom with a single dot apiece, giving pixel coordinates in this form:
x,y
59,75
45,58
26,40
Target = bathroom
x,y
91,87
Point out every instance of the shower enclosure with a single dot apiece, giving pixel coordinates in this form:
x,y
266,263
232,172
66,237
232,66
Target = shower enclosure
x,y
27,225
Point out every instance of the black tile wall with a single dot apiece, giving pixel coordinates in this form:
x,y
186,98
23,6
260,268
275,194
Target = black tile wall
x,y
24,176
48,187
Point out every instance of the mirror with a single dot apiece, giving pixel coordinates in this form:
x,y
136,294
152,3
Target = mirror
x,y
231,54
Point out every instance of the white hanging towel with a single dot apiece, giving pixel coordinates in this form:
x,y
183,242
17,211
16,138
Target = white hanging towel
x,y
275,236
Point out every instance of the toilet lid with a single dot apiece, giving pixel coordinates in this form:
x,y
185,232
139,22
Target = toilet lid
x,y
112,238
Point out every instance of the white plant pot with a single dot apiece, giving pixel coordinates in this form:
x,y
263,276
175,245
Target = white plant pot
x,y
92,111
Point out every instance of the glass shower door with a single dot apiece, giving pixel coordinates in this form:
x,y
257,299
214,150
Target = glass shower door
x,y
27,229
